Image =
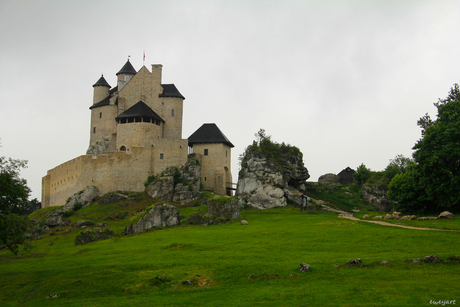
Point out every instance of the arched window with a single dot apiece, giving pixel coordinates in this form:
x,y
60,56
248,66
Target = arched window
x,y
122,148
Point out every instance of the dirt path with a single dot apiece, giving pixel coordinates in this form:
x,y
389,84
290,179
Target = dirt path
x,y
349,216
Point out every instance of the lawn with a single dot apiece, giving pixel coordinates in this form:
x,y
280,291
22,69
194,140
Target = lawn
x,y
237,265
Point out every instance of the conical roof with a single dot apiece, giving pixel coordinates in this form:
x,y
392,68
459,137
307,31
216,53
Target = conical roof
x,y
208,133
140,109
127,69
101,82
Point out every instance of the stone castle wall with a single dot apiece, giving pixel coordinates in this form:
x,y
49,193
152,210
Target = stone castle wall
x,y
125,171
215,166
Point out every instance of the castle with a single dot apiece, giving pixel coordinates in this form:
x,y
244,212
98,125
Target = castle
x,y
136,132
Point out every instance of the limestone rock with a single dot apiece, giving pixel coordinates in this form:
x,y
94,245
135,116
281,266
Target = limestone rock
x,y
432,259
328,178
53,221
262,184
159,216
385,262
354,261
225,210
83,198
416,260
112,198
83,223
424,218
446,215
162,189
390,217
377,197
79,200
397,215
366,216
408,217
220,210
378,217
93,235
304,267
244,222
177,184
102,146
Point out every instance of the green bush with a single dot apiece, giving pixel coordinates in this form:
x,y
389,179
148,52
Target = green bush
x,y
362,174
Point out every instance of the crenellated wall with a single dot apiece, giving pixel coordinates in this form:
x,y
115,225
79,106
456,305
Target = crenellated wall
x,y
125,171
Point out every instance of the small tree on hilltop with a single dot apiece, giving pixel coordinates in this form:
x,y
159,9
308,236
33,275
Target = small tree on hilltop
x,y
362,174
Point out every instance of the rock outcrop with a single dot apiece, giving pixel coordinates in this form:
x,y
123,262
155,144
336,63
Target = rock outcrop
x,y
377,197
179,185
159,216
446,215
79,200
102,146
93,235
219,212
263,184
328,178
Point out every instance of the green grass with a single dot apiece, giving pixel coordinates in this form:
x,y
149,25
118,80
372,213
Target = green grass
x,y
344,197
152,268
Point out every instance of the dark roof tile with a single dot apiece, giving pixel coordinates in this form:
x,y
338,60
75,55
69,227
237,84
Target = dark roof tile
x,y
101,82
170,90
140,109
127,69
208,133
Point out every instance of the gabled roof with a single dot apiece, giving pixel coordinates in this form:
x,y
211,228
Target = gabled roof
x,y
170,90
346,173
208,133
140,109
127,69
101,82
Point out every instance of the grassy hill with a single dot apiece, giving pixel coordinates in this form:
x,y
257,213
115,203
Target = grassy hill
x,y
233,264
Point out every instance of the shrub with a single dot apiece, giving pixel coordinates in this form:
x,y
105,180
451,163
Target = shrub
x,y
362,174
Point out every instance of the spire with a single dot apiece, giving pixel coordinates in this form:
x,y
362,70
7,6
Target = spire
x,y
101,82
127,69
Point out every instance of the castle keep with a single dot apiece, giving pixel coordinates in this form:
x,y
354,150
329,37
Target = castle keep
x,y
136,131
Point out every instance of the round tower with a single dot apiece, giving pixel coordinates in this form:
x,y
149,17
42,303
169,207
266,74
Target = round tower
x,y
125,74
101,90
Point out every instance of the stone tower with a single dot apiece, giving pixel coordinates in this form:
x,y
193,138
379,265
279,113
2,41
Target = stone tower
x,y
213,148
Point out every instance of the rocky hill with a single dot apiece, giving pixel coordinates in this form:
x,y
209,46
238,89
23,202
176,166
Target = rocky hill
x,y
271,175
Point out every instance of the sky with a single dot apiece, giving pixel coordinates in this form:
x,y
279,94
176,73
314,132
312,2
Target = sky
x,y
344,81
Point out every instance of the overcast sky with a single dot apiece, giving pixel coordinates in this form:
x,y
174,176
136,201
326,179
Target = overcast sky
x,y
344,81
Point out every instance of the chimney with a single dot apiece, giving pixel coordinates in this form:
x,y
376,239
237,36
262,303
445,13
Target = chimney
x,y
156,73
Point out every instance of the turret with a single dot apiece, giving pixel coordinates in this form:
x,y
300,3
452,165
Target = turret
x,y
101,90
125,74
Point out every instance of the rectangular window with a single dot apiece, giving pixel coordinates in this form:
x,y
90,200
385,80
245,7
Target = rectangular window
x,y
172,112
226,153
100,115
205,152
94,130
161,156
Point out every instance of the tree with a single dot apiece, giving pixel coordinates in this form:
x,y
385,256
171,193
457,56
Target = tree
x,y
436,173
14,191
14,194
13,230
398,165
362,174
